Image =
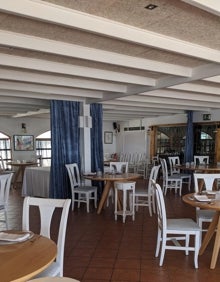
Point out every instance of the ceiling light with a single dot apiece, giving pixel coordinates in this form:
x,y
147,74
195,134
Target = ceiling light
x,y
151,6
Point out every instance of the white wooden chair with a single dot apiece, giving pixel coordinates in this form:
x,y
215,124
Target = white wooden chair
x,y
145,196
170,181
207,182
175,230
186,177
5,184
118,167
80,193
46,209
198,160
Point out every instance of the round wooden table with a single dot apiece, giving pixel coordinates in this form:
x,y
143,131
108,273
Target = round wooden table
x,y
214,225
211,168
21,261
109,184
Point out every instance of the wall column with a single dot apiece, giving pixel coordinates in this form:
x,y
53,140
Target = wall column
x,y
85,123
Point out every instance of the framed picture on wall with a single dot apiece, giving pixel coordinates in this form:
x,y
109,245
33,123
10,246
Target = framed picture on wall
x,y
23,142
108,137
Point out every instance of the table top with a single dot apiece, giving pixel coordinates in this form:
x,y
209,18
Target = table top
x,y
210,167
54,279
113,177
21,261
212,205
21,163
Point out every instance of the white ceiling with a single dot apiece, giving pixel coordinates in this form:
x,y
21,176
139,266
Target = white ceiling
x,y
136,62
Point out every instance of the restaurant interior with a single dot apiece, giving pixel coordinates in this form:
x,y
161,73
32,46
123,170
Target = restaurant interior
x,y
99,84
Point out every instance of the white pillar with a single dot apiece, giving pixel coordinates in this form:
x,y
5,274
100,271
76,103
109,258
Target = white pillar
x,y
85,143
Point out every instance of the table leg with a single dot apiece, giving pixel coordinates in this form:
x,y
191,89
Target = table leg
x,y
18,172
104,196
210,232
216,246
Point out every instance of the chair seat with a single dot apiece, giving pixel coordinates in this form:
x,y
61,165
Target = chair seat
x,y
182,224
205,214
85,189
52,271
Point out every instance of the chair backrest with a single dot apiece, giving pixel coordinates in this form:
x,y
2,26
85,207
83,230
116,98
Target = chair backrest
x,y
155,160
164,168
74,175
201,160
46,208
153,176
154,173
206,179
119,167
5,184
2,164
173,161
161,209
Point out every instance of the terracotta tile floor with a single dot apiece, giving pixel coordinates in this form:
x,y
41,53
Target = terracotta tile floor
x,y
98,248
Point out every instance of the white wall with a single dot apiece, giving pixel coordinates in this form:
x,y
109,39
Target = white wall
x,y
109,149
34,126
133,140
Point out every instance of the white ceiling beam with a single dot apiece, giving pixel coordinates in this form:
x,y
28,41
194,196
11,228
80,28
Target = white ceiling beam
x,y
33,43
192,87
215,79
37,95
25,101
191,96
31,87
211,6
156,105
48,12
169,101
67,69
42,78
145,109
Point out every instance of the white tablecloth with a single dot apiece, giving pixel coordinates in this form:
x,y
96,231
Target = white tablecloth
x,y
36,182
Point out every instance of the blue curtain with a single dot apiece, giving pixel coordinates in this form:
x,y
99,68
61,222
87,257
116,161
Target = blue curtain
x,y
65,146
96,137
97,158
188,155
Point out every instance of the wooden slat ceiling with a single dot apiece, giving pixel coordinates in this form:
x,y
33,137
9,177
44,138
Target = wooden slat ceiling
x,y
136,62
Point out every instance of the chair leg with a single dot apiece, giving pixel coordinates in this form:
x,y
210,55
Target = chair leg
x,y
158,242
124,205
197,246
87,202
6,219
132,207
95,199
73,201
116,202
187,244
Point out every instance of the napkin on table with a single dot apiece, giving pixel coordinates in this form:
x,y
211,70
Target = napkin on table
x,y
13,237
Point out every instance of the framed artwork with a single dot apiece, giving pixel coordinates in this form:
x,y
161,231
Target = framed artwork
x,y
108,137
23,142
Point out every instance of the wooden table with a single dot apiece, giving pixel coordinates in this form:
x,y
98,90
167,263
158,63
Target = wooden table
x,y
109,184
20,171
22,261
214,225
212,168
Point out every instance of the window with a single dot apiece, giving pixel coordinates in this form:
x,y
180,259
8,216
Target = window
x,y
43,148
5,148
